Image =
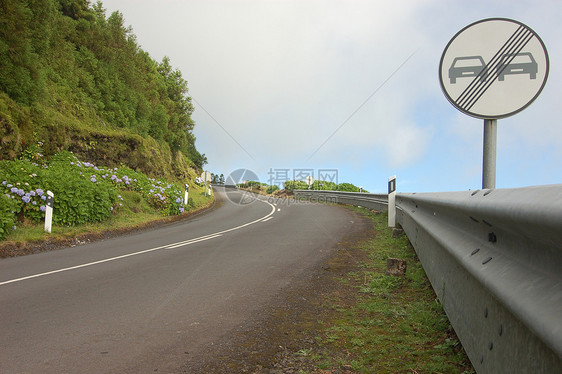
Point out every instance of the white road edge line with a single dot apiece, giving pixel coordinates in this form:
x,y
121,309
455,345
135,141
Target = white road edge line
x,y
167,246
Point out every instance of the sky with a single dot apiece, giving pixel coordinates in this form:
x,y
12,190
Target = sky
x,y
348,89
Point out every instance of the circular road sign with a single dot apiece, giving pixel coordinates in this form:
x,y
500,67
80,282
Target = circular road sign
x,y
493,68
206,176
309,180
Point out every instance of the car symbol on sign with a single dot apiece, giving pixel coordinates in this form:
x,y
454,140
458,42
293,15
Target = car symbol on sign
x,y
468,66
517,63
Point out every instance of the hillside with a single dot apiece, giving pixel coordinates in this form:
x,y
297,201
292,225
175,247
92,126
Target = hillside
x,y
74,79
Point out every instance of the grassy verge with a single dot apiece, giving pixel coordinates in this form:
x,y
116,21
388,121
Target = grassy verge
x,y
393,323
134,213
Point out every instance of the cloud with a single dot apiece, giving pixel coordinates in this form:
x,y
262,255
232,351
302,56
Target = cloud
x,y
282,76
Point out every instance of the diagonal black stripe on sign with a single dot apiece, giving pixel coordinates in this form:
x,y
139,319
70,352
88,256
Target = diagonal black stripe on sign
x,y
477,81
478,86
512,56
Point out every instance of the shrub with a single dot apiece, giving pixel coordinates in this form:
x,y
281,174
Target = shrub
x,y
348,187
7,216
272,189
295,185
83,192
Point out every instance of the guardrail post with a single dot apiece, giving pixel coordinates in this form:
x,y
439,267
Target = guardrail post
x,y
392,201
49,211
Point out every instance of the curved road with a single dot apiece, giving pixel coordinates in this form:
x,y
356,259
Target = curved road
x,y
138,303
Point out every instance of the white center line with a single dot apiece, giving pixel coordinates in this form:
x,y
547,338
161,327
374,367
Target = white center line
x,y
167,246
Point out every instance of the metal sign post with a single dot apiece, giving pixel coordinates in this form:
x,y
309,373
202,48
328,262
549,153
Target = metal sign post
x,y
492,69
309,180
206,176
489,156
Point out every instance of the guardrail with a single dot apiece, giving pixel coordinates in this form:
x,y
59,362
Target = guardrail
x,y
372,201
494,259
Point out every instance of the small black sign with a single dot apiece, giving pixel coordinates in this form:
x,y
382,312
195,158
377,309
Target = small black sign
x,y
50,201
186,187
392,185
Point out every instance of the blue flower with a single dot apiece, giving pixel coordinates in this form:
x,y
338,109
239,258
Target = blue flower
x,y
43,208
4,183
39,192
32,193
26,199
178,200
182,209
20,192
13,190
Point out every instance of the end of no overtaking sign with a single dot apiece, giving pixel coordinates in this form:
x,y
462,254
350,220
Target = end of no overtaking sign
x,y
493,68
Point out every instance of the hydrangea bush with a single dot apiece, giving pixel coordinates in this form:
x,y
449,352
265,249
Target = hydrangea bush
x,y
83,192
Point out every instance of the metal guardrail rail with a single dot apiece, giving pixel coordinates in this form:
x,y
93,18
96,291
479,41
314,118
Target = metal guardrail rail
x,y
372,201
494,259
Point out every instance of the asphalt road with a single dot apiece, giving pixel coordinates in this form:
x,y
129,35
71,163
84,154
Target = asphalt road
x,y
143,303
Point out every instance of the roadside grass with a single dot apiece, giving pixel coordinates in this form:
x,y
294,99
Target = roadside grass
x,y
395,324
134,212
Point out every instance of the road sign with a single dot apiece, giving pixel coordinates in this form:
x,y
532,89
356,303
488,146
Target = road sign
x,y
206,176
309,180
493,68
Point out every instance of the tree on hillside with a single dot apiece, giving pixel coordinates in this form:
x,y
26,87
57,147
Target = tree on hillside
x,y
67,57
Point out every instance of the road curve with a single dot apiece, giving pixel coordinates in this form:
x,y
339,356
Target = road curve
x,y
142,303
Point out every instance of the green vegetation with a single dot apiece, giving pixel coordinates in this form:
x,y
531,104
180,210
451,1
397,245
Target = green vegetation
x,y
396,324
84,194
321,185
289,186
76,80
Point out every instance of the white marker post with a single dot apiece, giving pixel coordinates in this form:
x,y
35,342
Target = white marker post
x,y
392,201
49,211
186,194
